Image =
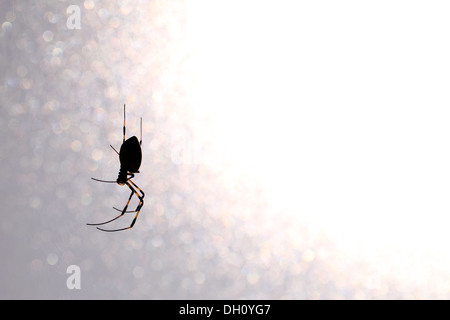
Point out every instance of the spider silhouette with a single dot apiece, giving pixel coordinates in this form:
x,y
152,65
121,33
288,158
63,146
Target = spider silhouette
x,y
130,157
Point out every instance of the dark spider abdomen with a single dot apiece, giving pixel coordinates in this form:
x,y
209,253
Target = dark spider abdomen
x,y
130,155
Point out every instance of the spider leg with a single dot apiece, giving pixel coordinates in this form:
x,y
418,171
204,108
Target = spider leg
x,y
99,224
131,176
124,123
123,212
138,208
114,150
143,194
140,142
129,211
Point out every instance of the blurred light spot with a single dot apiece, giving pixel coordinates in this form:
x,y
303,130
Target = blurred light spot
x,y
11,82
89,4
114,22
103,13
186,283
160,210
135,244
114,136
48,36
93,167
265,255
111,92
98,67
157,242
138,272
50,106
76,145
22,71
64,123
97,154
70,74
126,9
86,199
308,256
56,128
35,202
52,259
199,278
57,52
6,26
26,84
99,114
85,127
10,16
252,278
52,18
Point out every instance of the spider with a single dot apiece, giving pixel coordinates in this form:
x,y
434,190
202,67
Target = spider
x,y
130,157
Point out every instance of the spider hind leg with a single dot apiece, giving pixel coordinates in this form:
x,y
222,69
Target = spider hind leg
x,y
132,187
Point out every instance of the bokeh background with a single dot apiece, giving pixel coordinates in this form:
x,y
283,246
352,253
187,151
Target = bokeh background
x,y
291,149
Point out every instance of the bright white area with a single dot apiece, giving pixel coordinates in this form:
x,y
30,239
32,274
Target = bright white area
x,y
340,110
